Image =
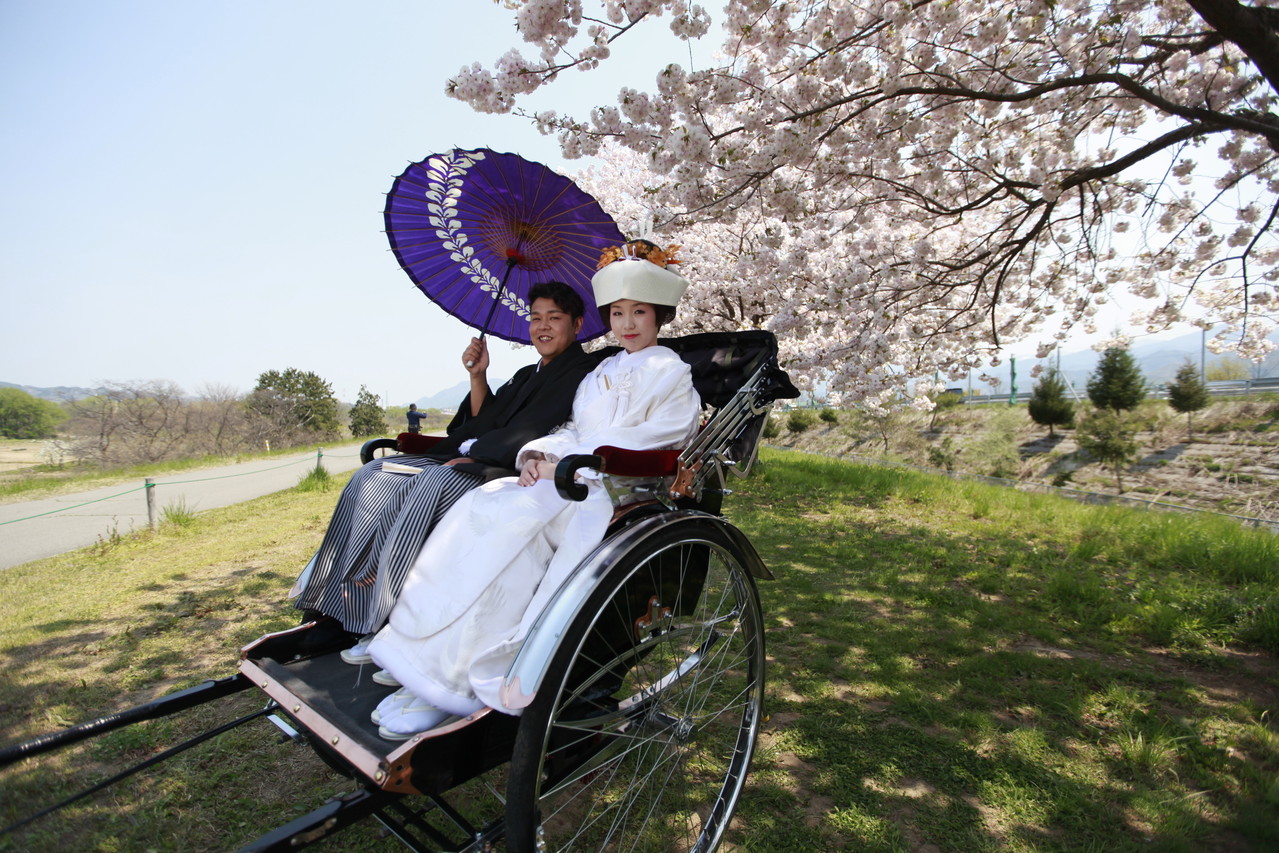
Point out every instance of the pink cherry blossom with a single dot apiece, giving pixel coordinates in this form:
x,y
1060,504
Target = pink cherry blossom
x,y
902,189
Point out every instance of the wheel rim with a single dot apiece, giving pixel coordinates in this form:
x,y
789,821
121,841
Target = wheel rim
x,y
646,745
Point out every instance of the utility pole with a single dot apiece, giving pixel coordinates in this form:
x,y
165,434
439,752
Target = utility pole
x,y
1203,338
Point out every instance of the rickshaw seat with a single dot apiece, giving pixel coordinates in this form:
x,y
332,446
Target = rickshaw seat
x,y
737,377
621,462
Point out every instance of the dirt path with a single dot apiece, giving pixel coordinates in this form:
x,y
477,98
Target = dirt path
x,y
16,455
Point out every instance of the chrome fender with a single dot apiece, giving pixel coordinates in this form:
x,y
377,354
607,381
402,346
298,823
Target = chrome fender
x,y
527,670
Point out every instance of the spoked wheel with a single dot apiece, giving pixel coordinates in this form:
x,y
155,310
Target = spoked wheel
x,y
640,735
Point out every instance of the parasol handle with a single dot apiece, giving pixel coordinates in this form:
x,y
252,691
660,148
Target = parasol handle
x,y
511,261
471,362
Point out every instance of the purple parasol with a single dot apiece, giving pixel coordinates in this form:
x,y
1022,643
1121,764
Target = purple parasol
x,y
476,229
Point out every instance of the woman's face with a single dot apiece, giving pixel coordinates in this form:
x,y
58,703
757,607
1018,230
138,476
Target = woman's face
x,y
634,324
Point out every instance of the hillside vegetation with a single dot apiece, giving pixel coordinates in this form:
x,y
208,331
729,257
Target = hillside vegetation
x,y
1230,463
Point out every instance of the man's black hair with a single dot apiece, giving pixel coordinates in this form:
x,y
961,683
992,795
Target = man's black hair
x,y
568,299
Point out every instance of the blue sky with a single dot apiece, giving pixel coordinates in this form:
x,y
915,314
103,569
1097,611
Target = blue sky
x,y
193,192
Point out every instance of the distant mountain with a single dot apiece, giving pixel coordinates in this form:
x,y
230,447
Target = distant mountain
x,y
58,393
450,397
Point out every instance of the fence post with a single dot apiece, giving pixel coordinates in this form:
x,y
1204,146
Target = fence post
x,y
150,487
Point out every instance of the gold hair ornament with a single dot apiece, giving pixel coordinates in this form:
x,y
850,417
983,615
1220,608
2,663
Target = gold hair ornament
x,y
636,249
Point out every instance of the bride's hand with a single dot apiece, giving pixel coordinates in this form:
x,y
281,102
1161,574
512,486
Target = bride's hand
x,y
536,469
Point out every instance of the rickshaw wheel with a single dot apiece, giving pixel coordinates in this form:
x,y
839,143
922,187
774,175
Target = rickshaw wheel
x,y
642,731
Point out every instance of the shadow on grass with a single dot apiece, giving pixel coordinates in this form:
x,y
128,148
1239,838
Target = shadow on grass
x,y
962,689
250,778
150,649
1172,451
1041,444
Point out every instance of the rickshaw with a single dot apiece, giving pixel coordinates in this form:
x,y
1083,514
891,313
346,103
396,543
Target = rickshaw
x,y
642,680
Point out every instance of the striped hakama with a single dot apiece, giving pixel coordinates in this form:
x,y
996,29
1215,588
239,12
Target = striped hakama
x,y
377,530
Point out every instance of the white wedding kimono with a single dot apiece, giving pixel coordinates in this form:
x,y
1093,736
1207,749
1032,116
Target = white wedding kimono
x,y
500,553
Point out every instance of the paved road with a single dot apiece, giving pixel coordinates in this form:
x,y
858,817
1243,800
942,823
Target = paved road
x,y
41,528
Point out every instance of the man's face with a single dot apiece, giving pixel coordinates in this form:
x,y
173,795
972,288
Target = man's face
x,y
550,329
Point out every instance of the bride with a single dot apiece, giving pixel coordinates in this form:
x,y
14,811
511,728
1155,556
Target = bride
x,y
502,551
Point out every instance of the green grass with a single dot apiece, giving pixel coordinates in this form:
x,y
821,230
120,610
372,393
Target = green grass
x,y
178,513
963,667
137,617
318,479
953,666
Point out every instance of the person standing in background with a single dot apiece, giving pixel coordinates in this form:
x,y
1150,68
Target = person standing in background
x,y
415,418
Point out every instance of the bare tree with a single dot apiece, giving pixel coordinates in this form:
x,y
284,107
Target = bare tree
x,y
154,420
224,420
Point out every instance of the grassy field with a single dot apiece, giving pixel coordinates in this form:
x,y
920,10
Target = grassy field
x,y
954,667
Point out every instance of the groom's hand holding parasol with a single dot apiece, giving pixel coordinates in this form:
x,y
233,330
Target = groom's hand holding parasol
x,y
476,361
476,357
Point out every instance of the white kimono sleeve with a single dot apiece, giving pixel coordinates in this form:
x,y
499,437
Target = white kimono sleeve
x,y
656,408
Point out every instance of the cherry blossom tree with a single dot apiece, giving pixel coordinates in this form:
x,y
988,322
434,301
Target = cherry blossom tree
x,y
916,183
855,350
